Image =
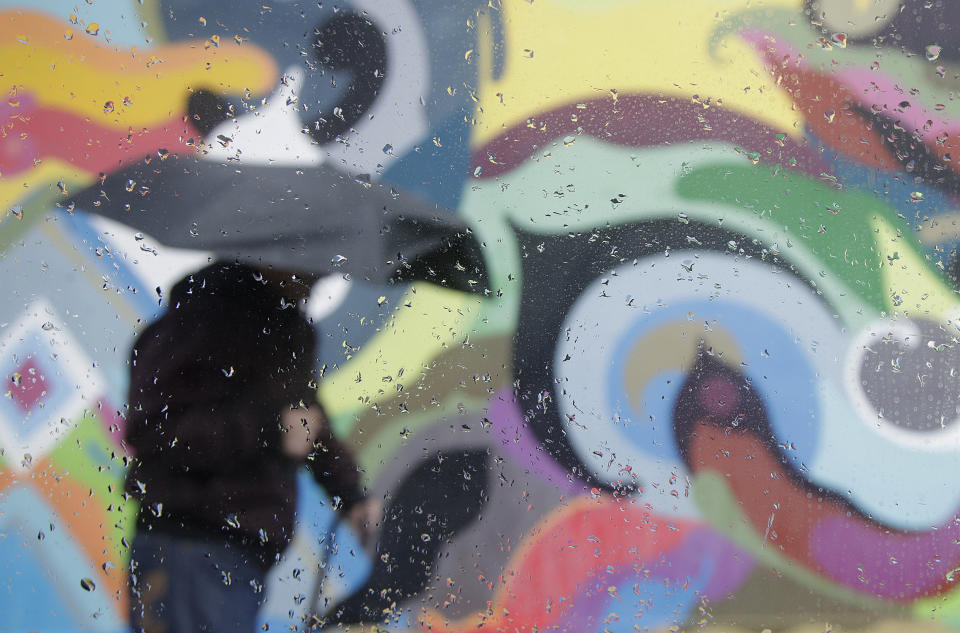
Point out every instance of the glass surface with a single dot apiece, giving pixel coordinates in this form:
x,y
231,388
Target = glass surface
x,y
634,315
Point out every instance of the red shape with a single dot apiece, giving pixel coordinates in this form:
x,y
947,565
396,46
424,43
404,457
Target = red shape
x,y
30,386
30,133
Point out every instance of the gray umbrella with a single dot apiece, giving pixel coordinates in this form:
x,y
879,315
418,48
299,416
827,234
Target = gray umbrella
x,y
315,219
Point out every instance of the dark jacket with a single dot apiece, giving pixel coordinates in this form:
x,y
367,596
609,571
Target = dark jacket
x,y
208,381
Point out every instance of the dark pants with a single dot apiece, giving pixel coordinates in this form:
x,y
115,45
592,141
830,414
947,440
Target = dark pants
x,y
182,585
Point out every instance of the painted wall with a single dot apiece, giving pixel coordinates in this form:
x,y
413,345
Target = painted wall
x,y
713,384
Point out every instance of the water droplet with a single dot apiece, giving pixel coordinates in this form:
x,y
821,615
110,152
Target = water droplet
x,y
233,521
108,107
338,259
47,326
916,196
840,39
933,52
17,212
93,28
131,185
829,115
88,584
41,535
388,149
68,34
157,509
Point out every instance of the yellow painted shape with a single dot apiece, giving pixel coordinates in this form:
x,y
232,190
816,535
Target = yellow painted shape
x,y
28,183
82,74
904,273
429,319
557,54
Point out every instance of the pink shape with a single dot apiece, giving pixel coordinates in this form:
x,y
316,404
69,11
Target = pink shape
x,y
29,385
873,87
718,395
884,562
114,423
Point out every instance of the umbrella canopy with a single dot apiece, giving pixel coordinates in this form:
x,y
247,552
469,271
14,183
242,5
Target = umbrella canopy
x,y
315,219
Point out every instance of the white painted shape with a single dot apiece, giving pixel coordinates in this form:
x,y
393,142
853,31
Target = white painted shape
x,y
397,118
272,134
327,295
158,267
75,371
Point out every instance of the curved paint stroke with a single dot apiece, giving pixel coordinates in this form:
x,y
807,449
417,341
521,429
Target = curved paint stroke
x,y
859,121
721,426
66,69
571,561
636,120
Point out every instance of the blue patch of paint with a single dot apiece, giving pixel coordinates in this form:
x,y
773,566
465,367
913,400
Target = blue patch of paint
x,y
775,364
434,172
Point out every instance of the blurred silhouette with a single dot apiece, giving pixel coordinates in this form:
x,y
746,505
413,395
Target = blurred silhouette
x,y
223,413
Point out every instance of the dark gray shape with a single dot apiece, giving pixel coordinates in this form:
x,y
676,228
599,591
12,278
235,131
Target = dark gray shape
x,y
914,381
315,219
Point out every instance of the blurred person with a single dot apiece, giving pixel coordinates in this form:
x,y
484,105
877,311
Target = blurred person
x,y
222,414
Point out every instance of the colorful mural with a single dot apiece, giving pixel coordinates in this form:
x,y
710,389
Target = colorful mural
x,y
711,383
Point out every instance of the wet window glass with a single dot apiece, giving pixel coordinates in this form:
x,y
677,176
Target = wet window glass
x,y
499,315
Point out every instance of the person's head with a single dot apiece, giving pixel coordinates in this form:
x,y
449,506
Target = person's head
x,y
226,279
292,285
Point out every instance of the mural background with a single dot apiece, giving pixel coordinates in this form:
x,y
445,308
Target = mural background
x,y
713,381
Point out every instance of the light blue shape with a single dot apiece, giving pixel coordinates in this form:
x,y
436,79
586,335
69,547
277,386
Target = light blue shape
x,y
653,604
43,590
119,20
29,599
776,366
322,544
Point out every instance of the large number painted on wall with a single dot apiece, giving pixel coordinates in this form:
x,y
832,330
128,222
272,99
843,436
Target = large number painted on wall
x,y
714,382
